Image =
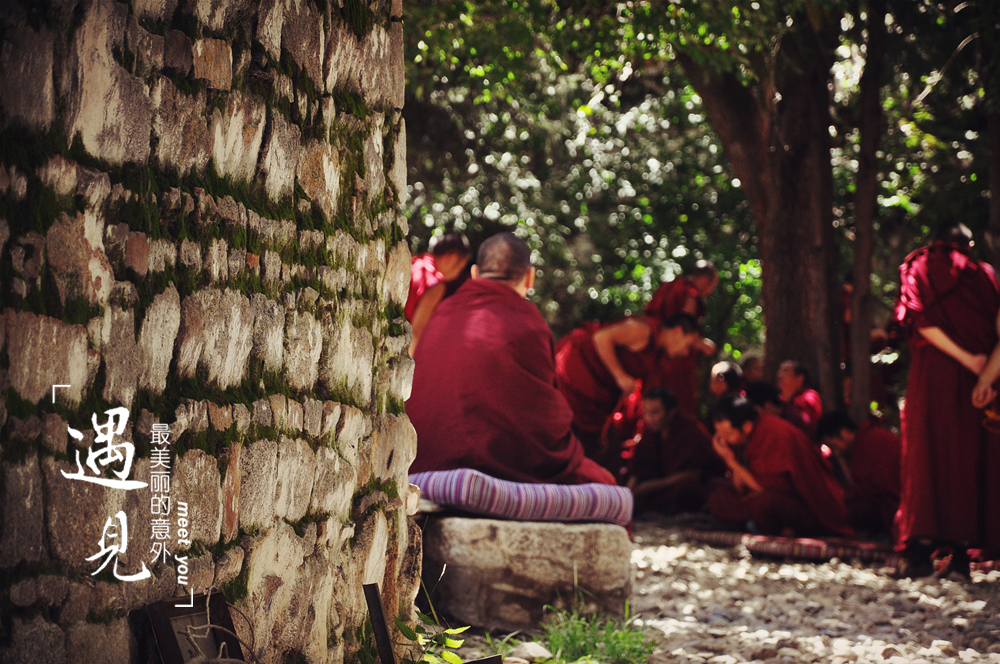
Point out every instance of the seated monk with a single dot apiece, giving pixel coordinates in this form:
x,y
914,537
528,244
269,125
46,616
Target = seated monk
x,y
484,394
866,461
780,484
433,277
597,365
803,406
671,458
753,369
685,294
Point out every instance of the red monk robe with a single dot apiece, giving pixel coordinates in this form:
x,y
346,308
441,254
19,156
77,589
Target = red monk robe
x,y
587,384
873,496
484,394
686,448
804,411
800,491
680,375
423,275
950,465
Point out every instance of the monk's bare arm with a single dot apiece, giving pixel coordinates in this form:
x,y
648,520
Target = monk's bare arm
x,y
742,478
649,486
940,340
983,393
425,308
631,333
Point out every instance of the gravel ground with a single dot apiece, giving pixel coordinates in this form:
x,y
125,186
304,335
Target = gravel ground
x,y
722,606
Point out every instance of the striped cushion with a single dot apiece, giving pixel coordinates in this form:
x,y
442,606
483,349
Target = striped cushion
x,y
475,492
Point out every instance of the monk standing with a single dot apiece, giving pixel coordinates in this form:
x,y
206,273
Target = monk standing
x,y
484,394
433,277
685,294
948,304
803,405
597,365
781,483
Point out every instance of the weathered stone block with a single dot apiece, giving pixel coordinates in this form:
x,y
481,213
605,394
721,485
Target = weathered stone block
x,y
147,47
221,417
353,427
52,589
180,125
281,157
190,255
137,253
501,574
162,253
279,410
177,52
303,347
76,257
213,62
236,136
312,417
334,485
303,35
296,475
217,260
373,148
22,535
110,108
44,352
122,361
258,484
262,415
156,339
231,493
75,513
294,414
228,566
394,447
54,433
269,331
241,415
35,641
272,267
319,175
27,93
215,335
157,10
198,483
24,593
347,359
397,172
92,643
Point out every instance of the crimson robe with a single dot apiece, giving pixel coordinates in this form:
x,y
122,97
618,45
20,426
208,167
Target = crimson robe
x,y
484,393
423,275
587,384
804,411
686,447
679,375
873,464
950,463
800,490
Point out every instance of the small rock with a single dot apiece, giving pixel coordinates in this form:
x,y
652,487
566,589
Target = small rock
x,y
530,651
24,593
890,652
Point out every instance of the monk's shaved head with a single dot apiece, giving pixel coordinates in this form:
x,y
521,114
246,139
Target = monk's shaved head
x,y
703,269
504,257
956,233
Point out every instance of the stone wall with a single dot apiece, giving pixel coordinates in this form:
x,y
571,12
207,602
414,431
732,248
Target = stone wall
x,y
198,223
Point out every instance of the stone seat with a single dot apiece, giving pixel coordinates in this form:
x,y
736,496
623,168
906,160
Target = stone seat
x,y
502,574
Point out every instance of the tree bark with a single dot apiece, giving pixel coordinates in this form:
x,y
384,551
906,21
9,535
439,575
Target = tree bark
x,y
865,207
776,137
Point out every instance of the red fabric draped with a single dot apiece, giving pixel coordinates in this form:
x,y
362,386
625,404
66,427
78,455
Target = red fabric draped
x,y
484,394
587,384
423,275
794,475
680,376
874,466
950,464
804,411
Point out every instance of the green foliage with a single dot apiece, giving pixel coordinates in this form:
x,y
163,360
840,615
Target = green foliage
x,y
573,637
434,643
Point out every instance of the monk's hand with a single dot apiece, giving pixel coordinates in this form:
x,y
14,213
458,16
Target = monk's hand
x,y
977,363
722,448
745,483
626,383
982,394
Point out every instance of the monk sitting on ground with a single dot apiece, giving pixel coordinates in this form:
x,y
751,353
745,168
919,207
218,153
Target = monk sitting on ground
x,y
597,365
866,461
803,406
484,394
672,460
780,485
433,277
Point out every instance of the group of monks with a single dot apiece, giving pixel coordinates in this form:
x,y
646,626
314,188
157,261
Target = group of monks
x,y
617,403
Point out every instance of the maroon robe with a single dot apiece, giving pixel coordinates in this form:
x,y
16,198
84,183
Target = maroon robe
x,y
686,447
804,411
484,394
679,375
800,491
589,387
873,464
950,464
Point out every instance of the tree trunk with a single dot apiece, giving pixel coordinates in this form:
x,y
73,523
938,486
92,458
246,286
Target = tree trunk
x,y
865,204
780,150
